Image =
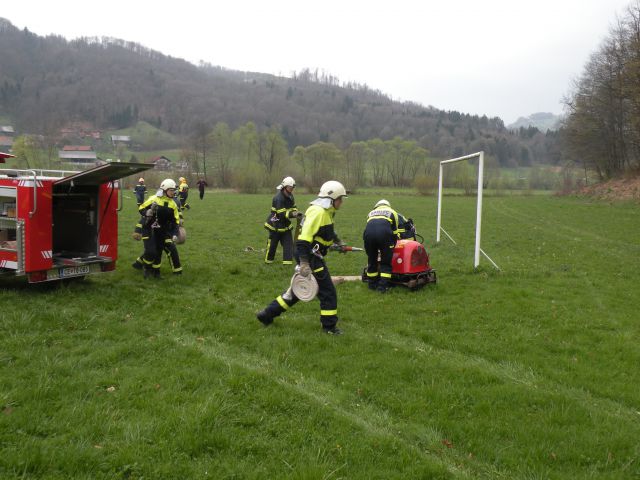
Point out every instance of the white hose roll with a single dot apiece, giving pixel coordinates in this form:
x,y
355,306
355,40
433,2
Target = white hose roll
x,y
305,288
182,236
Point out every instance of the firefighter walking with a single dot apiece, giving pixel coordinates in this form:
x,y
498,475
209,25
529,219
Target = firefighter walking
x,y
380,237
160,222
139,190
312,246
278,224
183,193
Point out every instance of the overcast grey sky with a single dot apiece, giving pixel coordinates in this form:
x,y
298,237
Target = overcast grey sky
x,y
505,58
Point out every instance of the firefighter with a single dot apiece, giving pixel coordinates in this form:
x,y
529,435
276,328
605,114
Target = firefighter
x,y
183,193
140,189
278,224
160,222
380,235
316,237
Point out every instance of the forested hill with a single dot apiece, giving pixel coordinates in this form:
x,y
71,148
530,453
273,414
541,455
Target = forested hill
x,y
46,82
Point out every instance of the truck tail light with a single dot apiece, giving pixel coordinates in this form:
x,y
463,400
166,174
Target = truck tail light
x,y
107,267
40,276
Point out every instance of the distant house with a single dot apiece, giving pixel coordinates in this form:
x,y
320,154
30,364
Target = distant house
x,y
77,154
161,163
7,130
6,142
120,140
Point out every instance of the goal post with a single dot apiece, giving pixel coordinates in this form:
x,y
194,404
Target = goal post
x,y
478,250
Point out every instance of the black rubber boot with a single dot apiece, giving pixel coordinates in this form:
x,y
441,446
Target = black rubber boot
x,y
264,318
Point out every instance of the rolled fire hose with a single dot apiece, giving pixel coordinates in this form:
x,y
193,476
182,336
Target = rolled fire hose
x,y
182,236
305,288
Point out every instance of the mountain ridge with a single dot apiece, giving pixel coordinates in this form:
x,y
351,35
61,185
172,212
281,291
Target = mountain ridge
x,y
113,83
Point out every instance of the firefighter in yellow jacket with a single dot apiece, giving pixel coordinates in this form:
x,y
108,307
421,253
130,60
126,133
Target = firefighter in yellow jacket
x,y
183,193
160,222
312,246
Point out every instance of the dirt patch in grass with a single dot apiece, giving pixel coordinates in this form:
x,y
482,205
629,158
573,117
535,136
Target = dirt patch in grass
x,y
623,189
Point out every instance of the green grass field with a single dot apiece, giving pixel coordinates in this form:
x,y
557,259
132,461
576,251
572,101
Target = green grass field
x,y
527,373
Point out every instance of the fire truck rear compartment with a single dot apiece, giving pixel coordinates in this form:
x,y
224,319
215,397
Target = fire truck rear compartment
x,y
75,225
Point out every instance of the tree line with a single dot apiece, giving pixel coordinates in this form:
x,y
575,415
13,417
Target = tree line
x,y
602,130
249,160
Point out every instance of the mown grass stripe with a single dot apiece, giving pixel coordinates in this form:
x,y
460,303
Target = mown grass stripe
x,y
371,419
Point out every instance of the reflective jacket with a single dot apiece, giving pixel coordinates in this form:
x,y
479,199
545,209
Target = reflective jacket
x,y
166,214
385,216
183,191
281,210
317,232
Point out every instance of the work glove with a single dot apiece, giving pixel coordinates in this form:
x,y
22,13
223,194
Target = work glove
x,y
305,269
149,213
339,245
293,214
174,238
136,236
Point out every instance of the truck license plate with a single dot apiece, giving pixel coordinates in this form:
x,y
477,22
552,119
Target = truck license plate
x,y
74,271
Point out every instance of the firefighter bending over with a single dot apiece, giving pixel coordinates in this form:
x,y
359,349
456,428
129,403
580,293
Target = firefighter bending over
x,y
316,237
278,224
380,235
183,193
160,224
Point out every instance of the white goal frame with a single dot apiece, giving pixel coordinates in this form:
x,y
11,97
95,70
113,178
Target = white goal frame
x,y
478,250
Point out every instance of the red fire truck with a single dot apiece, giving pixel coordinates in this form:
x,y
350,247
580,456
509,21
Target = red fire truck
x,y
57,224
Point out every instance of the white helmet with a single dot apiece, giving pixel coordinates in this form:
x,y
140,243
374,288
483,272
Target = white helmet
x,y
167,184
382,202
288,182
332,189
141,180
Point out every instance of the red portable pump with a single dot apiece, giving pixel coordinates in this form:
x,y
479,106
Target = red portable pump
x,y
410,263
59,224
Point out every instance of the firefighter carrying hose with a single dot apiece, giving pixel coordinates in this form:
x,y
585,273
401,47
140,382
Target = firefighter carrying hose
x,y
183,193
316,237
160,222
380,235
278,224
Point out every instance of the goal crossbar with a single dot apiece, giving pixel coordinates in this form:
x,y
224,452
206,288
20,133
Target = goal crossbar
x,y
478,250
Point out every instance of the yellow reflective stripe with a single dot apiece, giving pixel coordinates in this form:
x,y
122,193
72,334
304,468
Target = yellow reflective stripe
x,y
179,269
375,274
266,254
138,225
145,238
280,210
282,303
318,269
287,262
322,241
328,312
385,275
148,262
278,229
168,240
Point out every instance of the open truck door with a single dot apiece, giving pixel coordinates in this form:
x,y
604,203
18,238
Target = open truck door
x,y
65,223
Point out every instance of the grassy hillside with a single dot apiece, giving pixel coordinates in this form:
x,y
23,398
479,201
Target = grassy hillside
x,y
148,137
530,372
